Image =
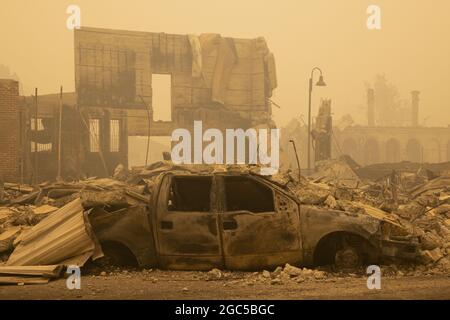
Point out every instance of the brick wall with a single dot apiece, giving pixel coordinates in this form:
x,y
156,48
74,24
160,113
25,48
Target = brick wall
x,y
9,130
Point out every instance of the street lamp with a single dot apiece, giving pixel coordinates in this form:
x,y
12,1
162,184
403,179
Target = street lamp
x,y
319,83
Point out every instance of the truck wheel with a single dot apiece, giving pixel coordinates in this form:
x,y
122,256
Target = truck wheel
x,y
344,250
347,258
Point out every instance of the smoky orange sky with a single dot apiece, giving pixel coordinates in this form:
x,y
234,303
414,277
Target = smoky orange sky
x,y
412,48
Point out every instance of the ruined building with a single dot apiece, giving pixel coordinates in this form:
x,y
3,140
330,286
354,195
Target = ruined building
x,y
224,82
372,143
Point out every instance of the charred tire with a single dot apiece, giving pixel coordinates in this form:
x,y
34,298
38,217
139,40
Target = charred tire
x,y
344,250
347,258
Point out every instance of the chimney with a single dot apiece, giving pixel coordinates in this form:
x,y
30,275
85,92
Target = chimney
x,y
415,108
371,107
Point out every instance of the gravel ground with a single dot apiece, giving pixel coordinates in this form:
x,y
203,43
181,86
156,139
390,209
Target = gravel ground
x,y
158,284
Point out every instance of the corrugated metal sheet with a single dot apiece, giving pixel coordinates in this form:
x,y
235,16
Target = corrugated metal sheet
x,y
63,235
42,271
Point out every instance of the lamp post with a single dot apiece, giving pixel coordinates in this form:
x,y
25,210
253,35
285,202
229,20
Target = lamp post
x,y
319,83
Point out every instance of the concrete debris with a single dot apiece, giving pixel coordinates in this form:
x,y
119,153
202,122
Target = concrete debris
x,y
431,256
337,172
318,275
312,194
282,275
277,271
5,213
418,201
275,281
266,274
447,223
214,274
431,240
292,271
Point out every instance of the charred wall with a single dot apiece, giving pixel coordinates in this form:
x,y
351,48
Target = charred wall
x,y
114,70
93,140
41,143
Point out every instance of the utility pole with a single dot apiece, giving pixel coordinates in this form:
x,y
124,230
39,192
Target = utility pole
x,y
298,162
149,121
319,83
58,176
35,176
309,124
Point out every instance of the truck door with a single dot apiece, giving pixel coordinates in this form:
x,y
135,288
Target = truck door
x,y
260,225
187,223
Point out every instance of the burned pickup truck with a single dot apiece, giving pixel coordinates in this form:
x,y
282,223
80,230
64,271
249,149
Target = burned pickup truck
x,y
240,220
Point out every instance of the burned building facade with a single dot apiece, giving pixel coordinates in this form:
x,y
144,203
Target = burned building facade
x,y
372,143
379,143
368,145
223,82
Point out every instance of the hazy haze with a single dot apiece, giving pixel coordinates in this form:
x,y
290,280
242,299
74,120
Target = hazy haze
x,y
412,49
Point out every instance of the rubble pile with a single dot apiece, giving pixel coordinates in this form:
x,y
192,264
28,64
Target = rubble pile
x,y
48,225
37,222
419,201
428,215
281,275
25,206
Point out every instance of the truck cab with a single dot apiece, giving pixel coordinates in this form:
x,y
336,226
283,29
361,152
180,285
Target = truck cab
x,y
224,220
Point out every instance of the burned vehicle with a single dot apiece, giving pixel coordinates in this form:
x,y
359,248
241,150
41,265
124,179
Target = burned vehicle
x,y
243,221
